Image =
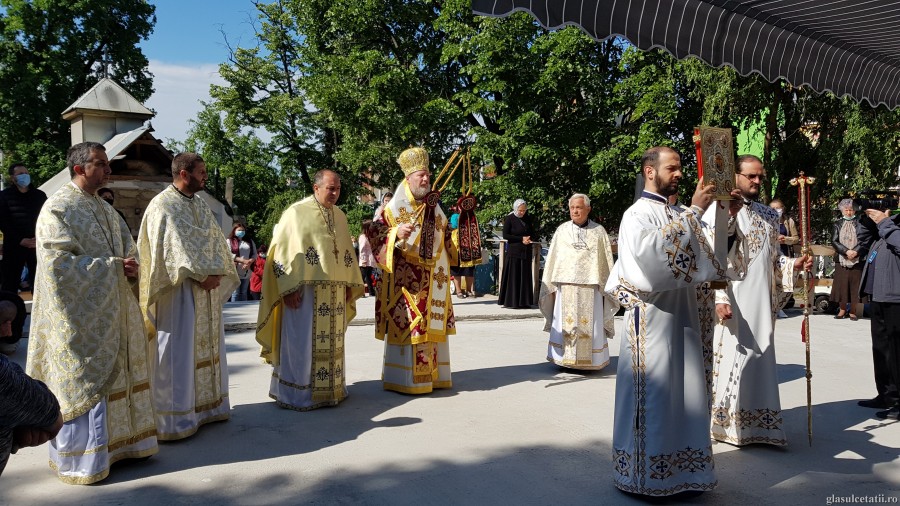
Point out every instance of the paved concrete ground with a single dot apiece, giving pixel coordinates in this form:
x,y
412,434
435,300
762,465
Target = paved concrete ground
x,y
514,430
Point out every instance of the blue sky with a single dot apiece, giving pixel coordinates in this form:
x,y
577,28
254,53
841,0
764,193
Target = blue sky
x,y
185,50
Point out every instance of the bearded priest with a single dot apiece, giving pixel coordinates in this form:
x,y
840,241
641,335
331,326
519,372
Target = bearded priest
x,y
413,313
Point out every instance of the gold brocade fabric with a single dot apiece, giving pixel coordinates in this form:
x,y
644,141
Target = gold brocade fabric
x,y
578,325
304,251
578,256
87,339
181,242
413,303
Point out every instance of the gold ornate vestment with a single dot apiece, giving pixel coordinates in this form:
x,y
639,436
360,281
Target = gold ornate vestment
x,y
311,245
414,303
181,242
87,340
582,259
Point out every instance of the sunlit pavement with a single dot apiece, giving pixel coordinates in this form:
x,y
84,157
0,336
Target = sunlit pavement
x,y
513,430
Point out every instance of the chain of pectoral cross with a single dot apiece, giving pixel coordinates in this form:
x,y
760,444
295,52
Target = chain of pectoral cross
x,y
329,224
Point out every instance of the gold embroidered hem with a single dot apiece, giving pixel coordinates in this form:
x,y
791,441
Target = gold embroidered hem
x,y
748,426
403,389
89,480
193,430
323,404
580,367
724,438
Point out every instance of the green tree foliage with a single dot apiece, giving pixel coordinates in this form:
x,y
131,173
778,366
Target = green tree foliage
x,y
264,91
351,83
50,54
230,153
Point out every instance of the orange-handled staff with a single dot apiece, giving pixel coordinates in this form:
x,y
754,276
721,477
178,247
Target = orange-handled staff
x,y
803,188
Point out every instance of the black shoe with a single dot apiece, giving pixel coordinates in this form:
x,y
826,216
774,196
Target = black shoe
x,y
876,403
890,414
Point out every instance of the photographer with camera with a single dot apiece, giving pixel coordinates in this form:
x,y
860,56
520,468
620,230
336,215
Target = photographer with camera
x,y
881,284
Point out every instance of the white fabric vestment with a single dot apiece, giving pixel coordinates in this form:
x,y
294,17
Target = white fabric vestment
x,y
181,245
87,340
179,413
578,315
661,442
291,385
746,407
562,350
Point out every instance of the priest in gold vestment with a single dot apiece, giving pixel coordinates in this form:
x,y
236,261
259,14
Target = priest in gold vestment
x,y
413,312
187,274
87,340
579,316
310,286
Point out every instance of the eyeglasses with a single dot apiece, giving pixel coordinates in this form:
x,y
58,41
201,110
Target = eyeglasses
x,y
758,177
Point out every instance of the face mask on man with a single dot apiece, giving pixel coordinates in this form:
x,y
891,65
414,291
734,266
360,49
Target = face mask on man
x,y
23,180
108,200
239,234
779,211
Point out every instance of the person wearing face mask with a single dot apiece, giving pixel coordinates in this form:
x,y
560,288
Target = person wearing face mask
x,y
787,229
516,285
848,269
788,236
20,205
109,197
244,250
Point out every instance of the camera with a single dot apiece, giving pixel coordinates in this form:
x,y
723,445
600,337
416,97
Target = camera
x,y
880,200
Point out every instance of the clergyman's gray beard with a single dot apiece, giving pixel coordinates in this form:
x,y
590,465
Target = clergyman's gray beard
x,y
419,193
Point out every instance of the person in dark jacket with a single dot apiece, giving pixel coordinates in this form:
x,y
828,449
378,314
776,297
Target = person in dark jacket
x,y
517,285
848,269
881,284
29,412
19,208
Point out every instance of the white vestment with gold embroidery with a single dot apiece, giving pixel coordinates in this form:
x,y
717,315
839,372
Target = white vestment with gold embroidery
x,y
746,407
578,315
661,443
87,340
181,244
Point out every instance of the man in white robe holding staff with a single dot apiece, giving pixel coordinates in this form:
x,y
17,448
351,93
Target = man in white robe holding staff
x,y
661,443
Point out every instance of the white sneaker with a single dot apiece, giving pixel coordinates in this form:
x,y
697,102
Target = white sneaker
x,y
782,314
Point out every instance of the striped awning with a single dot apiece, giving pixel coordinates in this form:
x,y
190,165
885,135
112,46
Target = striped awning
x,y
847,47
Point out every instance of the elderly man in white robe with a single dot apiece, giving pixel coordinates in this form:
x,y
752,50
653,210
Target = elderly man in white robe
x,y
187,274
661,442
87,340
746,407
578,314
